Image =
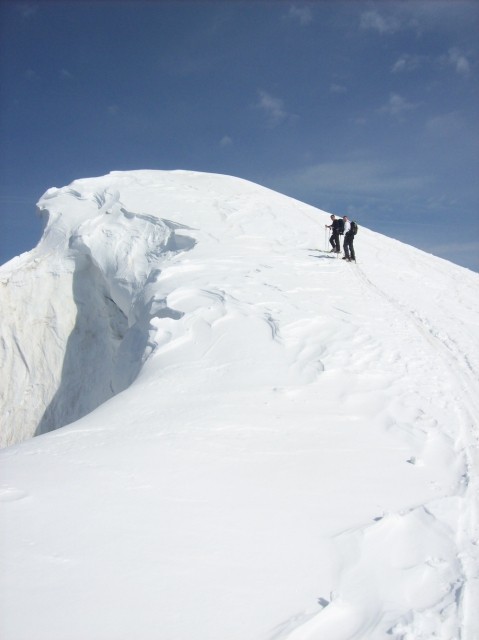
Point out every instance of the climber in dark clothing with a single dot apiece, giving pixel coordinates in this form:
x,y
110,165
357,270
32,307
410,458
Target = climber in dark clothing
x,y
336,227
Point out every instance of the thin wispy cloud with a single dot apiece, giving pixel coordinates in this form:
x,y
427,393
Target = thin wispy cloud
x,y
384,24
273,108
407,62
337,88
420,16
301,13
456,59
357,176
226,141
444,125
397,106
359,121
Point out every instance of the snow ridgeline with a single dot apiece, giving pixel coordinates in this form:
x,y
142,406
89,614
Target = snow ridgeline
x,y
294,452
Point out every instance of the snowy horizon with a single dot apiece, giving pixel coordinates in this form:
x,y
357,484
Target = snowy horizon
x,y
238,435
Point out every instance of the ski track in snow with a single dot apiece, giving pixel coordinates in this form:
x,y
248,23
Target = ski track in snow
x,y
464,587
455,568
451,568
245,358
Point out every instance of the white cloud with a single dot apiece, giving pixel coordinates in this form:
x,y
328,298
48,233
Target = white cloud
x,y
406,62
272,107
419,16
373,20
397,106
337,88
439,16
454,58
113,110
301,13
66,74
457,60
226,141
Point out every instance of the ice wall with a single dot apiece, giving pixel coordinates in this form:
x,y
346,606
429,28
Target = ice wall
x,y
76,310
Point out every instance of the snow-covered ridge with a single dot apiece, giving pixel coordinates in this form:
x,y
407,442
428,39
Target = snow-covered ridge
x,y
275,444
80,310
91,286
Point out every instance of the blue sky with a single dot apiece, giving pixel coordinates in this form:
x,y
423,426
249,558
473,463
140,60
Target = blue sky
x,y
369,109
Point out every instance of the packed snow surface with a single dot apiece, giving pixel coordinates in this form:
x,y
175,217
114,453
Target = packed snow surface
x,y
244,437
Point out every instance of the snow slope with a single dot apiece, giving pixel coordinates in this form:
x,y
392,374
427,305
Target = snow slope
x,y
267,443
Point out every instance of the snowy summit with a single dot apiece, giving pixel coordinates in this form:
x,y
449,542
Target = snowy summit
x,y
239,436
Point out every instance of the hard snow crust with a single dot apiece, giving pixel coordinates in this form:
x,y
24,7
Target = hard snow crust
x,y
265,442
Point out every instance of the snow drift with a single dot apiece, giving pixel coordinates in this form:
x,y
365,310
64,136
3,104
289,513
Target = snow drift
x,y
267,442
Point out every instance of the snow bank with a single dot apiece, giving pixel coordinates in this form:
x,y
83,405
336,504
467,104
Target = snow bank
x,y
267,442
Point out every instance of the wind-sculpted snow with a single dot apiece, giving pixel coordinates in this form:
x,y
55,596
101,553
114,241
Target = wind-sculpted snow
x,y
86,339
268,443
